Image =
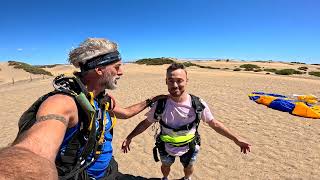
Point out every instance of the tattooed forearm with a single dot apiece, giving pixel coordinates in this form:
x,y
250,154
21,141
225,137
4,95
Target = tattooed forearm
x,y
53,117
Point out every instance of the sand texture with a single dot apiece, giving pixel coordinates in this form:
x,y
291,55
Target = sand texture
x,y
283,146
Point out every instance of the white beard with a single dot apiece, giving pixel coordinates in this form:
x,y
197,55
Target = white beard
x,y
111,82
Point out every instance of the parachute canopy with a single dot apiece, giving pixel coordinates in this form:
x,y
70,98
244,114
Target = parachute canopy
x,y
300,105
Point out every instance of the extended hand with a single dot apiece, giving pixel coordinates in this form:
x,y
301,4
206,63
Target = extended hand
x,y
125,145
244,146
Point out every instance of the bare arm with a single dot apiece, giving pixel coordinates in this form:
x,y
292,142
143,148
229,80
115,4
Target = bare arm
x,y
221,129
33,152
141,127
128,112
21,163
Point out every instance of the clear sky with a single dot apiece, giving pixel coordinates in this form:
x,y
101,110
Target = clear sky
x,y
43,32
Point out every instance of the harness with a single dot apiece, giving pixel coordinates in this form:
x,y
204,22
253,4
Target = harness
x,y
190,139
72,163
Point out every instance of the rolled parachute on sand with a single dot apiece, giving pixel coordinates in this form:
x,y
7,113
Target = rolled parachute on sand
x,y
301,105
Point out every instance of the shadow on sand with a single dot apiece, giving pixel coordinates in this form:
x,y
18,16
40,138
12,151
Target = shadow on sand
x,y
131,177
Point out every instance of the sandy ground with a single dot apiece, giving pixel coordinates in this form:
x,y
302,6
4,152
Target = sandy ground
x,y
283,146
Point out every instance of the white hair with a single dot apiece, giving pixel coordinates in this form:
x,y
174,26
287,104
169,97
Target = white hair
x,y
90,48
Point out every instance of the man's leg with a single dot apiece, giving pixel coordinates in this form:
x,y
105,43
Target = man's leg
x,y
166,161
188,160
188,171
165,169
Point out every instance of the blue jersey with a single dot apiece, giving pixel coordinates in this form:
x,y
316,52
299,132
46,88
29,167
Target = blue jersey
x,y
98,168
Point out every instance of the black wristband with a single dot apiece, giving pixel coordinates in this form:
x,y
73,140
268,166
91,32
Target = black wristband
x,y
149,103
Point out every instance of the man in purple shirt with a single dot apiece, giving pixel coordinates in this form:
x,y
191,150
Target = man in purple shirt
x,y
179,120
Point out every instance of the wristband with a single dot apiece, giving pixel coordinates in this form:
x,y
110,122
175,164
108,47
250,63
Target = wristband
x,y
149,103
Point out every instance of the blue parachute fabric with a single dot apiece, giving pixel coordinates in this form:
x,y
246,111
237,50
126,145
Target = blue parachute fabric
x,y
282,105
254,98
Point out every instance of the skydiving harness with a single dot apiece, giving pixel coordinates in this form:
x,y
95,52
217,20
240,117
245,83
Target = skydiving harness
x,y
190,139
89,138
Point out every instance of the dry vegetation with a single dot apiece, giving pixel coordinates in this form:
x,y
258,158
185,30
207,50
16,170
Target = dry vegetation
x,y
243,67
29,68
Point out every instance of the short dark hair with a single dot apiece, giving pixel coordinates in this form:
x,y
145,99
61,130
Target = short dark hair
x,y
175,66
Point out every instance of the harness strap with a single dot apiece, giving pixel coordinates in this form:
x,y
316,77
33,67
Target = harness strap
x,y
89,146
161,103
198,108
195,140
70,160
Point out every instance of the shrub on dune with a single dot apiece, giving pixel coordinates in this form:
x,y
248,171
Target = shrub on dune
x,y
270,70
249,66
288,72
29,68
155,61
315,73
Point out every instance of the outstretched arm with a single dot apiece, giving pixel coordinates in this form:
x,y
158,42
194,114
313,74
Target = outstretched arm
x,y
221,129
128,112
33,153
141,127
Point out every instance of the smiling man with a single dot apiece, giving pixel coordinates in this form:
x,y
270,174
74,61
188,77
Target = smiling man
x,y
179,116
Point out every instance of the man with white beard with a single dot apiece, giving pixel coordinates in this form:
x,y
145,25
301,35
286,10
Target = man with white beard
x,y
67,133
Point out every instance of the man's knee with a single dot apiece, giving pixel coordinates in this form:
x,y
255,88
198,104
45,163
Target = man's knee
x,y
188,161
166,159
188,167
167,162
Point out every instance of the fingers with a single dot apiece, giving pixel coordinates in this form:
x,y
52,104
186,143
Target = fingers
x,y
125,147
245,149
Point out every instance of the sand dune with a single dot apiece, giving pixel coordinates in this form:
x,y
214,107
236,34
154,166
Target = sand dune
x,y
61,69
284,146
8,74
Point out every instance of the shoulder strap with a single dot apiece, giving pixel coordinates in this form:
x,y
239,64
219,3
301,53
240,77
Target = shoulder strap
x,y
161,104
198,108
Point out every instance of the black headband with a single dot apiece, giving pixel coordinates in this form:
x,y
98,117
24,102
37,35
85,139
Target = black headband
x,y
102,60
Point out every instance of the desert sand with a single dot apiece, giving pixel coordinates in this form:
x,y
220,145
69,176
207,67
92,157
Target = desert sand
x,y
283,146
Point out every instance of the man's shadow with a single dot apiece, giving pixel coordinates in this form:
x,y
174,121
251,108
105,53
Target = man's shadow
x,y
131,177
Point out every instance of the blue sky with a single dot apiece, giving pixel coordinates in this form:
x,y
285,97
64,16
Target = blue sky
x,y
43,32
